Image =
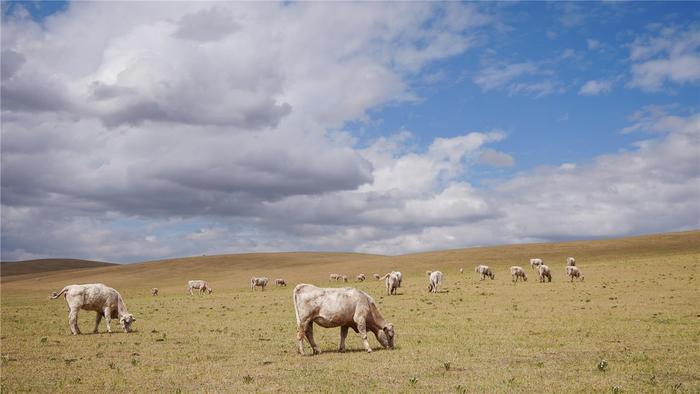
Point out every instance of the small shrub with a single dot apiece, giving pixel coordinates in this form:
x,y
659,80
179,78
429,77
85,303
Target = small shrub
x,y
447,365
247,379
459,389
602,365
616,389
44,339
413,381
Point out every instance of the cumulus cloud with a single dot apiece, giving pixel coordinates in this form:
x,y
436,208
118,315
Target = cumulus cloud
x,y
595,87
672,56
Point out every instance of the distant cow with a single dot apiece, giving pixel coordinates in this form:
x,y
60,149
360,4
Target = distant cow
x,y
344,278
280,282
360,277
571,262
544,273
461,270
534,263
335,277
258,282
434,281
376,276
154,291
392,280
201,285
484,271
106,301
517,272
574,272
339,307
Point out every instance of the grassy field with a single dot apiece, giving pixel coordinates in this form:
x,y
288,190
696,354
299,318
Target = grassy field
x,y
638,309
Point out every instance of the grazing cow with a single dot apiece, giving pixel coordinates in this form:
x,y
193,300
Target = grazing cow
x,y
392,280
201,285
461,270
154,291
544,273
570,262
335,277
484,271
360,277
280,282
106,301
344,278
534,263
434,281
517,272
339,307
574,272
376,276
261,282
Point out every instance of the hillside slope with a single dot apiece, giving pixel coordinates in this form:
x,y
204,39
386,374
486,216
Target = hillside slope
x,y
9,268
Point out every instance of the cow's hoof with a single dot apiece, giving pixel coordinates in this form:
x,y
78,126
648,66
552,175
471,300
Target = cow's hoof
x,y
341,350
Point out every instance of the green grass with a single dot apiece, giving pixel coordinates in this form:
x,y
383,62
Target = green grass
x,y
638,309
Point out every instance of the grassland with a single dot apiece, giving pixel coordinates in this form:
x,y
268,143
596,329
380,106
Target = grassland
x,y
9,268
638,309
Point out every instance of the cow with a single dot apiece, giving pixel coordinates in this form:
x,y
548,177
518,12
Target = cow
x,y
376,276
339,307
461,270
360,277
201,285
544,272
570,262
335,277
261,282
154,291
517,272
434,281
344,278
534,263
104,300
392,280
280,282
574,272
484,271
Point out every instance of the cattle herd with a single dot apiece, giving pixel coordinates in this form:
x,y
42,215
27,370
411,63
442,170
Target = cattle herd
x,y
327,307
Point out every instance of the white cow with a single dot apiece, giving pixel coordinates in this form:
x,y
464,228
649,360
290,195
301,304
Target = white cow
x,y
434,281
344,278
570,262
376,276
534,263
392,280
335,277
360,277
258,281
201,285
339,307
280,282
544,273
574,272
484,271
461,270
96,297
517,272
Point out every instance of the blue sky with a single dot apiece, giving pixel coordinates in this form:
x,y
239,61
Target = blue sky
x,y
195,128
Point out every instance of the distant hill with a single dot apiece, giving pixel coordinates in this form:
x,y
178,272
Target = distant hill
x,y
9,268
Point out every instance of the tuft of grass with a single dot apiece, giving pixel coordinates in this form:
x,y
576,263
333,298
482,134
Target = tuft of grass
x,y
602,365
247,379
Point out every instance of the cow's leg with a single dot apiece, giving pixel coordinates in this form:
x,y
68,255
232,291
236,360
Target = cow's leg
x,y
300,337
108,318
309,331
73,321
343,335
98,319
362,329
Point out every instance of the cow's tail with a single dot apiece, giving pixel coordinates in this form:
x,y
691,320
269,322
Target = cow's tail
x,y
385,276
301,333
56,295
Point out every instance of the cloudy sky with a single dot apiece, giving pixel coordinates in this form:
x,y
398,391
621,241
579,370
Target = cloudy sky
x,y
137,131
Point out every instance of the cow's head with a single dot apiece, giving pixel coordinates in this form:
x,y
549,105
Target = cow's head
x,y
525,278
126,321
386,336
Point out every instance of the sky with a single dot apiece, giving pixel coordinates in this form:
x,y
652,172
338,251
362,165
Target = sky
x,y
134,131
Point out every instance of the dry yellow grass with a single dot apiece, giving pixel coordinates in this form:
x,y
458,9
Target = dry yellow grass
x,y
638,309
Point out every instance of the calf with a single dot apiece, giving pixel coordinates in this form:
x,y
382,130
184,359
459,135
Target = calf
x,y
258,282
280,282
338,307
484,271
517,272
106,301
434,281
573,272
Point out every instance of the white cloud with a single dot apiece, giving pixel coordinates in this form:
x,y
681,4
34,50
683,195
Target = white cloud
x,y
671,56
592,44
595,87
496,159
